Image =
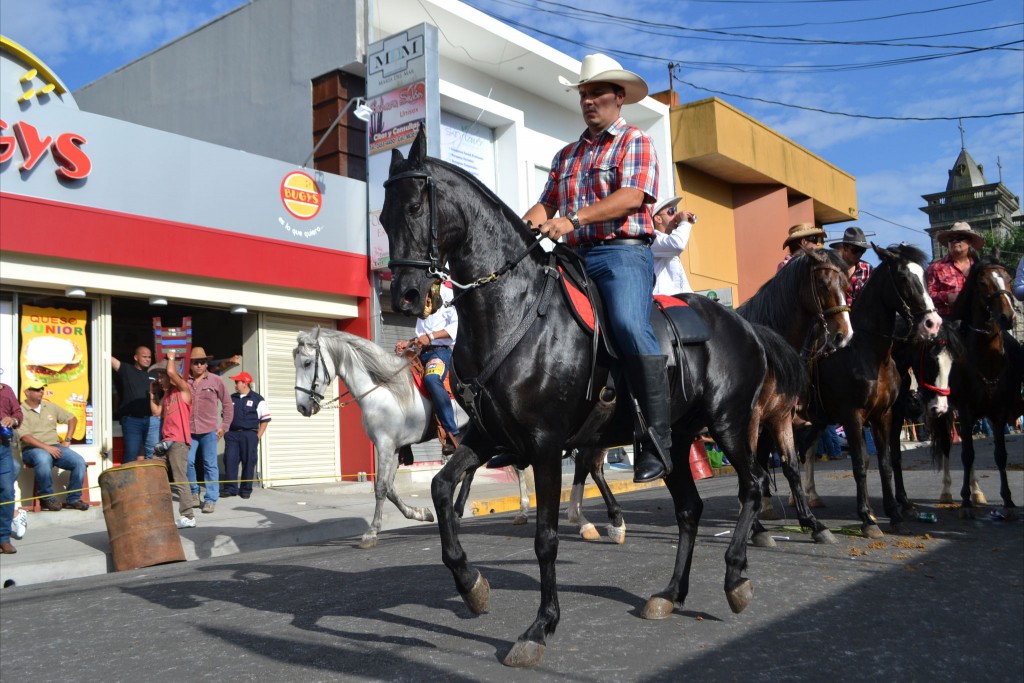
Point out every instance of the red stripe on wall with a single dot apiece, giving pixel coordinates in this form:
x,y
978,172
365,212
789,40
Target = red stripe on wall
x,y
47,228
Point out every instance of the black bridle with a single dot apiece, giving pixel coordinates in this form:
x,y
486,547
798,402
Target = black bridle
x,y
826,346
319,362
433,264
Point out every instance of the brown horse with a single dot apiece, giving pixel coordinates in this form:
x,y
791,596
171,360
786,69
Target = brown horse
x,y
987,378
858,384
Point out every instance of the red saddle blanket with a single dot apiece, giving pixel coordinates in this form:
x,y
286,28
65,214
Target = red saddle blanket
x,y
585,312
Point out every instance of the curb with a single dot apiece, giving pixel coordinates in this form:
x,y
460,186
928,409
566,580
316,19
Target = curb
x,y
494,506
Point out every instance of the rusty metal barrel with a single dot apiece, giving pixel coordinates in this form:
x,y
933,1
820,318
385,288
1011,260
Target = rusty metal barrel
x,y
138,510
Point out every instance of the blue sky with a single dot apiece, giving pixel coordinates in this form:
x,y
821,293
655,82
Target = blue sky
x,y
819,54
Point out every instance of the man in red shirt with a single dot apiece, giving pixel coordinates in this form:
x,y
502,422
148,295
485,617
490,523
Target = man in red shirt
x,y
602,187
209,422
851,248
175,413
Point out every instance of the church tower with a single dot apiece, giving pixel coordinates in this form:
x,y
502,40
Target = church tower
x,y
990,208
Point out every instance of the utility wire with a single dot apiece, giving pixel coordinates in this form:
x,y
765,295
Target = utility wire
x,y
898,225
854,116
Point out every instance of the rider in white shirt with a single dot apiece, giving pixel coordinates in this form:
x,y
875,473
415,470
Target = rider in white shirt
x,y
672,232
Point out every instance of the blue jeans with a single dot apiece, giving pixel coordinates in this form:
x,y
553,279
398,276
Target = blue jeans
x,y
433,379
829,442
624,274
137,433
9,469
207,443
43,463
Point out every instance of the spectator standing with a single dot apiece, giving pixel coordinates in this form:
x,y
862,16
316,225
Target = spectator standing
x,y
10,418
139,431
946,276
851,248
672,228
176,432
434,342
241,443
209,422
601,186
801,235
42,449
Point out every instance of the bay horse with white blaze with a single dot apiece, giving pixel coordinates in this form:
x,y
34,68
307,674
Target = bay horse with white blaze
x,y
524,367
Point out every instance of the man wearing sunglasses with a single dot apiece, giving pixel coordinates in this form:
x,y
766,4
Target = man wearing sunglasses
x,y
672,227
946,277
208,424
851,248
802,235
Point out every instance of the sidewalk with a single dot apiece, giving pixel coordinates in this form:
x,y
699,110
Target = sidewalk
x,y
71,544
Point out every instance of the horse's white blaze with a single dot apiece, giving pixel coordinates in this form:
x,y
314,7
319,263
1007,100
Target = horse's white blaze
x,y
1001,287
846,319
931,322
939,405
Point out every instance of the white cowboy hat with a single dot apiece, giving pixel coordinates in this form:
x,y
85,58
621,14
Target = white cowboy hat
x,y
960,229
603,69
665,203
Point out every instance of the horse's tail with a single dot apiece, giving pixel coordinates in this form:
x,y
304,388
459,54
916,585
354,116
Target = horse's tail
x,y
941,435
783,362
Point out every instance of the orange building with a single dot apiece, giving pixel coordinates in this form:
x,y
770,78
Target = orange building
x,y
748,184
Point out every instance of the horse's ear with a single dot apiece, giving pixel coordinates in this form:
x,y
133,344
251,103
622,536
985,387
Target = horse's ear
x,y
396,161
418,153
883,253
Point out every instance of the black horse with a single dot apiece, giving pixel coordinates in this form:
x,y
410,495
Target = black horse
x,y
857,385
525,366
988,377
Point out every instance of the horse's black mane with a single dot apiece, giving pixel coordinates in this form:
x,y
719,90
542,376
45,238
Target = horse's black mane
x,y
773,303
489,194
908,252
962,307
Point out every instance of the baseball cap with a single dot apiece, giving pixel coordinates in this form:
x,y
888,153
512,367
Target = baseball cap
x,y
35,384
242,377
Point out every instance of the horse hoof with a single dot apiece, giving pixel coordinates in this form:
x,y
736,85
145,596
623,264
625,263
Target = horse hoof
x,y
979,498
520,519
739,597
816,502
907,509
367,543
769,513
524,653
946,498
617,533
589,532
763,540
872,531
966,513
824,537
899,529
1009,514
657,608
479,596
428,516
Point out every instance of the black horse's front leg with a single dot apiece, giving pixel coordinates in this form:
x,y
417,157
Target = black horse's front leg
x,y
617,527
529,649
859,460
967,459
472,586
1009,509
881,427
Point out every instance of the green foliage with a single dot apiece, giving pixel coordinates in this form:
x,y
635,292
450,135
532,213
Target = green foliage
x,y
1010,248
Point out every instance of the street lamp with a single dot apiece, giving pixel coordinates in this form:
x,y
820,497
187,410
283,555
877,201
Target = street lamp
x,y
362,112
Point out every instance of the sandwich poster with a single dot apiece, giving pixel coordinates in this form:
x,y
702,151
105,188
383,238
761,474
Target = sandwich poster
x,y
54,351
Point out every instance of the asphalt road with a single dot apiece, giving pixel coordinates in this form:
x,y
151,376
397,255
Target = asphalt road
x,y
944,605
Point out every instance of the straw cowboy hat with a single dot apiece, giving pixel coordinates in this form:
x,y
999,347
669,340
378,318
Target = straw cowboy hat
x,y
854,237
802,230
960,229
198,352
603,69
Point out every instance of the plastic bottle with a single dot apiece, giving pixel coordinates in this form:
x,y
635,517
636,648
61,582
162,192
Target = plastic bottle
x,y
927,517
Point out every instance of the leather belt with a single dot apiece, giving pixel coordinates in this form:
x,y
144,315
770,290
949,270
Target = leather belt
x,y
620,241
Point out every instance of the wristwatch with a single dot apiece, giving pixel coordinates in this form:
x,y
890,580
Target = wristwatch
x,y
573,219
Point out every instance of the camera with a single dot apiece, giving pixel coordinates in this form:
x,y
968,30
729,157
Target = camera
x,y
162,447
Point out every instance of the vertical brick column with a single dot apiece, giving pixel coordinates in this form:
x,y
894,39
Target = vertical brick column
x,y
344,152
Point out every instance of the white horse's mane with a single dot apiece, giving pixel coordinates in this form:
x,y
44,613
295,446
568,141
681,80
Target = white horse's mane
x,y
383,368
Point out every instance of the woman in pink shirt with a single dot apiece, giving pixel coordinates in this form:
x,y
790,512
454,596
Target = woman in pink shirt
x,y
175,411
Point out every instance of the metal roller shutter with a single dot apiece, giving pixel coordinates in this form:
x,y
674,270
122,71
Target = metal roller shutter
x,y
298,450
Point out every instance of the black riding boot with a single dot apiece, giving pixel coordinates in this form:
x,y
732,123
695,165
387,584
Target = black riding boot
x,y
648,381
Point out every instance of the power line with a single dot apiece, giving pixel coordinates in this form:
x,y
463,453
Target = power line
x,y
898,225
855,116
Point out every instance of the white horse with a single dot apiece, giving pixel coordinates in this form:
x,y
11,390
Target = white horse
x,y
395,413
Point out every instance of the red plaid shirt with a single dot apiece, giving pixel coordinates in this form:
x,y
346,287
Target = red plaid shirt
x,y
945,279
861,273
586,171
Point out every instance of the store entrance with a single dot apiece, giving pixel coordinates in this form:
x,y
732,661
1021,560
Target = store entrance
x,y
219,333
